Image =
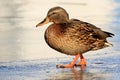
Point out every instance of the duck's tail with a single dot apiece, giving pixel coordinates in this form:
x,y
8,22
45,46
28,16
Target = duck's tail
x,y
108,44
109,34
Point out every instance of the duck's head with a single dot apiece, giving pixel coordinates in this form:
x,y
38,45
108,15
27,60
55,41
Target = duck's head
x,y
55,15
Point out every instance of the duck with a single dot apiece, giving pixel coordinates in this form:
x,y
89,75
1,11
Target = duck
x,y
72,36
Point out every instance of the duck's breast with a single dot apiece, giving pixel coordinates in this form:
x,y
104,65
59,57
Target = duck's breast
x,y
64,42
53,36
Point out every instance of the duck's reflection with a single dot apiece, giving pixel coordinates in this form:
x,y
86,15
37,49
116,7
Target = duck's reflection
x,y
77,74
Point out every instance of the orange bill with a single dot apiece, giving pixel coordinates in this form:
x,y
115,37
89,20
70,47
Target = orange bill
x,y
45,21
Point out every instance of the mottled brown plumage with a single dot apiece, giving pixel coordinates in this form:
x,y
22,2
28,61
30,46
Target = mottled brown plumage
x,y
75,37
72,36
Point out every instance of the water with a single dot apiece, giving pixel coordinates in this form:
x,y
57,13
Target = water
x,y
23,49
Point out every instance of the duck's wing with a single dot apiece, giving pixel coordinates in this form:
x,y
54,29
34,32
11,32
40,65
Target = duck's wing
x,y
95,31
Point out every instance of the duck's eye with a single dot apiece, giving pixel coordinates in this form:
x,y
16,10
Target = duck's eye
x,y
53,13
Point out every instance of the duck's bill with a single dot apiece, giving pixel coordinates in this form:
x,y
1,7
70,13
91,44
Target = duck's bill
x,y
45,21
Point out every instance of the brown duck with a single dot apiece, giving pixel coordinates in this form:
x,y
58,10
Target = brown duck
x,y
72,36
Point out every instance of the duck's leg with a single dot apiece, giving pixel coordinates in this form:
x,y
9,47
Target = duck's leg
x,y
71,65
82,62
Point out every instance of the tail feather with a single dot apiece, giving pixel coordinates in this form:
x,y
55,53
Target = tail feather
x,y
108,44
109,34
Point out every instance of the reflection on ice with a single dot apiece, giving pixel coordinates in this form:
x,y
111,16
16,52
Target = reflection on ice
x,y
46,70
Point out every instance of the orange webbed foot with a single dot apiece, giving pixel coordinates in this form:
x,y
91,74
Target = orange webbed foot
x,y
72,64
